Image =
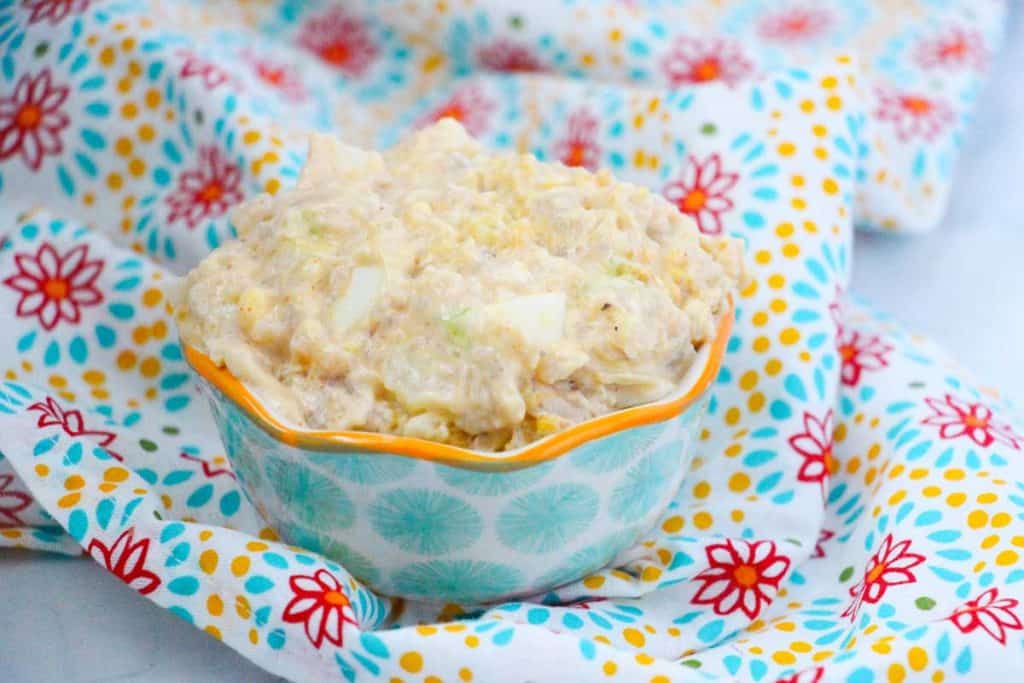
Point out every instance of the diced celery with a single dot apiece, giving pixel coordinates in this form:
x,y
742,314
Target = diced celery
x,y
456,327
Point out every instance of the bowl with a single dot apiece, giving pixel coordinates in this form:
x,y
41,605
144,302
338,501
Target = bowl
x,y
429,521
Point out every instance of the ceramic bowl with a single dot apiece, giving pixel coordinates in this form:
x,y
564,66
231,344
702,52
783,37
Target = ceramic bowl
x,y
429,521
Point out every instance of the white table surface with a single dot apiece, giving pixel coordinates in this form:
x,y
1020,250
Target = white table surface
x,y
962,285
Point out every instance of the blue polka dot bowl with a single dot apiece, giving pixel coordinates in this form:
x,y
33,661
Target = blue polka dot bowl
x,y
429,521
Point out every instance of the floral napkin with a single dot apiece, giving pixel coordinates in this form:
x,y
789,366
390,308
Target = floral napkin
x,y
854,509
922,63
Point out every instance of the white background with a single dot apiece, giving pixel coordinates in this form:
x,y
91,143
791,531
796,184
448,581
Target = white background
x,y
65,619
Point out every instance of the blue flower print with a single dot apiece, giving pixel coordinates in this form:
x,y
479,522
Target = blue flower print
x,y
542,521
424,521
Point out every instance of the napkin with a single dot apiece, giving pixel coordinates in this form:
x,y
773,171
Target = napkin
x,y
922,63
852,512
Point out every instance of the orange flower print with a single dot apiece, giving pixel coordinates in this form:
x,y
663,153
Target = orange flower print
x,y
824,536
835,309
11,502
579,146
210,470
695,60
953,49
859,352
992,614
741,576
210,73
71,422
469,106
341,40
207,191
32,119
126,559
281,77
53,11
795,24
957,418
814,444
815,674
55,286
505,55
889,566
702,192
913,115
320,605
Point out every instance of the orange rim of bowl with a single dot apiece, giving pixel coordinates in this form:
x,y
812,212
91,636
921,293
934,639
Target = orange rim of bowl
x,y
540,451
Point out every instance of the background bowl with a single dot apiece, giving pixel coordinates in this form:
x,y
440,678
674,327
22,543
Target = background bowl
x,y
426,521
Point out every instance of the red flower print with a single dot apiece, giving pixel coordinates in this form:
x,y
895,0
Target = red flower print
x,y
320,605
738,574
989,612
957,418
51,413
859,352
835,309
693,60
281,77
579,146
956,48
824,536
207,191
53,10
890,565
584,603
126,559
31,119
913,116
815,674
505,55
209,471
55,287
210,73
339,39
701,192
469,106
11,502
795,24
815,445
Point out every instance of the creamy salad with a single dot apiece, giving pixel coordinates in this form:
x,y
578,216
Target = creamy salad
x,y
443,291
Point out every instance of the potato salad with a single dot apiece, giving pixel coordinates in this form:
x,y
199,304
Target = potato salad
x,y
444,291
